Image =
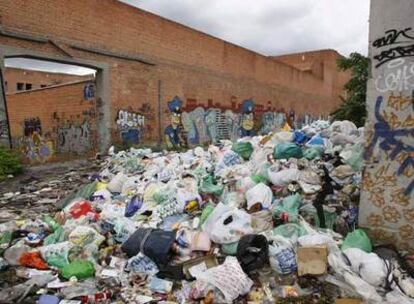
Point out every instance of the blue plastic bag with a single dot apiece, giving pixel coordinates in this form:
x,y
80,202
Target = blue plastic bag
x,y
133,206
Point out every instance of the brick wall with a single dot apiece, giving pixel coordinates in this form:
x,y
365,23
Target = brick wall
x,y
53,110
37,79
188,63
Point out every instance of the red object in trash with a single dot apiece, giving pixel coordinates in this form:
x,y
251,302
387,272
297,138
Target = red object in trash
x,y
97,298
83,208
284,217
33,260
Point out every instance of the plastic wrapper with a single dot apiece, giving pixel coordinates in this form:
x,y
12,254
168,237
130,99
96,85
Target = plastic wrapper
x,y
227,225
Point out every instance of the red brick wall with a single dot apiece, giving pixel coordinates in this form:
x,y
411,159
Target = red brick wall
x,y
189,64
37,78
56,107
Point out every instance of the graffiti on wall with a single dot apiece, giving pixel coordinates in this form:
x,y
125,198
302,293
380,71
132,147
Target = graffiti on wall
x,y
247,118
4,130
174,131
388,181
131,126
34,146
201,125
271,121
397,44
89,91
393,135
399,77
74,138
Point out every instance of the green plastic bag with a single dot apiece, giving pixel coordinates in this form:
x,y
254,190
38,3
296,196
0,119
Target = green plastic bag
x,y
356,161
5,239
230,249
357,239
258,178
51,222
243,149
289,205
208,209
290,230
312,153
84,192
58,261
80,269
208,185
56,237
287,150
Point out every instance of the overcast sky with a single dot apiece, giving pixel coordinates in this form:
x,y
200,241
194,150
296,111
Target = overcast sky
x,y
273,27
270,27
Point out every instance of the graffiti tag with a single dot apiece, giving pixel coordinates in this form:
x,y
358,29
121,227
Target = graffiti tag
x,y
74,138
399,77
131,126
391,38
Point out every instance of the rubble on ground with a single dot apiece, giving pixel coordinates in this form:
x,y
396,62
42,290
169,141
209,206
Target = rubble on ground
x,y
267,219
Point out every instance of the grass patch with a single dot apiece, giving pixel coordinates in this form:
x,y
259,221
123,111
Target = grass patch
x,y
10,163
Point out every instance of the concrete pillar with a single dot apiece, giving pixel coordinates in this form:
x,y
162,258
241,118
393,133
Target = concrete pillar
x,y
387,199
103,100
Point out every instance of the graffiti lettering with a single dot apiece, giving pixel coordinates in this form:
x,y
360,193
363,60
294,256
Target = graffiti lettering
x,y
74,138
131,126
399,77
394,53
391,37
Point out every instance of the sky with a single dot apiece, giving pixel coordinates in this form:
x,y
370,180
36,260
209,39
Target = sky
x,y
269,27
273,27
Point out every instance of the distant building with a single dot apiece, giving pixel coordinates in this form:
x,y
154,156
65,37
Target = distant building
x,y
17,80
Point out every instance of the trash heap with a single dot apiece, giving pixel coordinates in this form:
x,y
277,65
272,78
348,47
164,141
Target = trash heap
x,y
267,219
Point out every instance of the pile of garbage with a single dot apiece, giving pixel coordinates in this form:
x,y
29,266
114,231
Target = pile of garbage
x,y
266,219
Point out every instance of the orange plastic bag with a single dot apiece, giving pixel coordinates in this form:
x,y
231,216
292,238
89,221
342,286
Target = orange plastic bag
x,y
33,260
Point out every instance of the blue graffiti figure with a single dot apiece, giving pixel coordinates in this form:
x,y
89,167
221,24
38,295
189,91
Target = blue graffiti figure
x,y
88,91
247,119
173,136
387,137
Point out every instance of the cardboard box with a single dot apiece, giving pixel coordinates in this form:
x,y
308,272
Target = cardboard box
x,y
312,260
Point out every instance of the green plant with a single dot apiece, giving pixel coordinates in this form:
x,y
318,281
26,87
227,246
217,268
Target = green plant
x,y
9,163
353,107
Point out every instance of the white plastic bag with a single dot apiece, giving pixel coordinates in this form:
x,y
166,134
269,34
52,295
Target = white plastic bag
x,y
283,177
229,278
369,266
282,257
116,183
259,194
344,272
227,225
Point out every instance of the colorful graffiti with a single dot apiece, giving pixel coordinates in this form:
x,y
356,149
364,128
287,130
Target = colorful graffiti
x,y
247,118
33,145
387,207
199,125
131,126
74,138
174,136
389,137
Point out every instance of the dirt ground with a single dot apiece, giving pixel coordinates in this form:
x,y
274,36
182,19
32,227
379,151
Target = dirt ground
x,y
40,187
